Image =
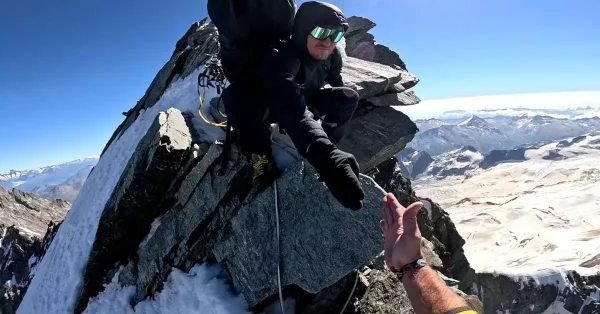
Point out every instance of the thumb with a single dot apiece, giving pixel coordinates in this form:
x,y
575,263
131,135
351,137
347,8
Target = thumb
x,y
409,219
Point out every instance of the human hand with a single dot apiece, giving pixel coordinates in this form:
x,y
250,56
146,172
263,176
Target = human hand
x,y
401,231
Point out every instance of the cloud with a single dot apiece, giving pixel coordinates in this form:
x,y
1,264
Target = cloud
x,y
563,100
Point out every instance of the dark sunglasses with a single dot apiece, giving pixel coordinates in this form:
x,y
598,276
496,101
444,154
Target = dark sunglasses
x,y
321,33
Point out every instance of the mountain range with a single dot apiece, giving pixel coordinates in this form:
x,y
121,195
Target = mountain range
x,y
61,181
438,136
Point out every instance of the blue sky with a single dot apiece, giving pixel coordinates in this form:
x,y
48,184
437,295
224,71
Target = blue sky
x,y
70,68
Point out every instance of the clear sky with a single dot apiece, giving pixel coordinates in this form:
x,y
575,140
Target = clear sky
x,y
69,68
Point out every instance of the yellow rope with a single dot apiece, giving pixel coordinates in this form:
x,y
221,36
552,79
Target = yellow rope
x,y
201,99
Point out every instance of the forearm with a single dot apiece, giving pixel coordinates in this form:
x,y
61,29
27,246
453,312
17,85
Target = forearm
x,y
428,294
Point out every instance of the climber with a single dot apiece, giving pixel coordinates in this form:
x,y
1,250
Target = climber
x,y
403,255
287,87
293,77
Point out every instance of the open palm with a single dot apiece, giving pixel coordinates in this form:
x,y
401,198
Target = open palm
x,y
401,232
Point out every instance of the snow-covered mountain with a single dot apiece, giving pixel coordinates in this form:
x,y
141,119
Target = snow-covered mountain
x,y
526,207
498,132
474,131
48,181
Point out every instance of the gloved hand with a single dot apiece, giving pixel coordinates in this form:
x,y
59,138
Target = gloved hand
x,y
340,172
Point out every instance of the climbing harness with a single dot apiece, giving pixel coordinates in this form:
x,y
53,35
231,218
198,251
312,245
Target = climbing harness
x,y
212,76
276,197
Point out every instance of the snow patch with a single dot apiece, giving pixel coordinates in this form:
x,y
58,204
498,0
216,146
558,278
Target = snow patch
x,y
196,292
66,259
153,228
428,207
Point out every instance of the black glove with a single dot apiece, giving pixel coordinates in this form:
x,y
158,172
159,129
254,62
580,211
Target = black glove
x,y
340,172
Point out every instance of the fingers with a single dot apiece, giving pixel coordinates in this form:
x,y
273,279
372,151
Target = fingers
x,y
409,219
387,212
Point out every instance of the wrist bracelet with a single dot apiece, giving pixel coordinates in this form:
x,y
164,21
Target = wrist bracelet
x,y
418,264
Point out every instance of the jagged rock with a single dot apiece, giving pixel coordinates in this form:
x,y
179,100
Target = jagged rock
x,y
536,293
198,44
362,45
375,137
228,219
132,208
30,212
399,99
373,79
20,252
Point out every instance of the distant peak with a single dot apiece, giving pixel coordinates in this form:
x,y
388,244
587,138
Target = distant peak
x,y
475,121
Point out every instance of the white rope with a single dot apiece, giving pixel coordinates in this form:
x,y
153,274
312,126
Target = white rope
x,y
279,258
351,293
278,252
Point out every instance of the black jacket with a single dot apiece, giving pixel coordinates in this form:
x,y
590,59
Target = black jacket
x,y
288,72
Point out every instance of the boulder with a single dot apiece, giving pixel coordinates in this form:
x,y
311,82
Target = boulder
x,y
375,137
373,79
133,206
360,44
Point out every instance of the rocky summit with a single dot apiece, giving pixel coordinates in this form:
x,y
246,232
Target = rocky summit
x,y
154,205
168,209
24,218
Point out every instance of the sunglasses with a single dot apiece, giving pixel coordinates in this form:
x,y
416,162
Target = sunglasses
x,y
322,33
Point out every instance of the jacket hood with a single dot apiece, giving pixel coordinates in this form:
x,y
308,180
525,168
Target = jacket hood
x,y
312,14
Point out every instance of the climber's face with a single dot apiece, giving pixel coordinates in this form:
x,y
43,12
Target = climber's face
x,y
319,49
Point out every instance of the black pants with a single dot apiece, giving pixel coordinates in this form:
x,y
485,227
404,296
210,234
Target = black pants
x,y
250,114
335,107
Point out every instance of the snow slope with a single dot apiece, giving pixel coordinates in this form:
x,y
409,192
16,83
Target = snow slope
x,y
58,278
31,180
538,213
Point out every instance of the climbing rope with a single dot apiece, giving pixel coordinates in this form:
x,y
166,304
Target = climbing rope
x,y
351,292
276,196
212,76
278,252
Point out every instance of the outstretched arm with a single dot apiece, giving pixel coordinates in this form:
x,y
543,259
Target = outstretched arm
x,y
427,293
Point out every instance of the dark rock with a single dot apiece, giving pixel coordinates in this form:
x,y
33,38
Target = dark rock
x,y
535,293
575,140
495,157
191,51
128,214
554,155
376,137
400,99
20,252
229,222
30,212
360,44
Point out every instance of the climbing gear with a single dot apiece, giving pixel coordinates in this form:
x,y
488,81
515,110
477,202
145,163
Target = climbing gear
x,y
418,264
212,76
277,245
351,292
261,165
322,33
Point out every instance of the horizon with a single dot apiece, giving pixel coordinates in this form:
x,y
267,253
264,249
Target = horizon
x,y
64,91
